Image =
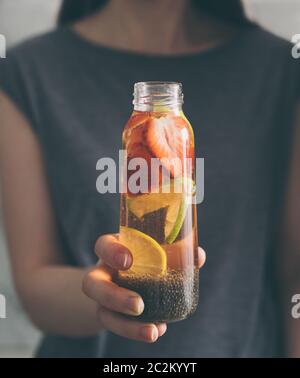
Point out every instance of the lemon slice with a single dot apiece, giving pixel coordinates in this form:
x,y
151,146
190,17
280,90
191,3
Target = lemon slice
x,y
160,108
148,256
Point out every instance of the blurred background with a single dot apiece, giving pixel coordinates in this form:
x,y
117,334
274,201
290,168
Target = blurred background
x,y
21,19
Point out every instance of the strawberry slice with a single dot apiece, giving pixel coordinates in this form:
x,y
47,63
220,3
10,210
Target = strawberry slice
x,y
134,138
137,119
169,139
138,151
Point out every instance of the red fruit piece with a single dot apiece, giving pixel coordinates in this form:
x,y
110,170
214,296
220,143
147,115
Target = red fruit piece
x,y
135,149
138,150
137,119
168,139
135,138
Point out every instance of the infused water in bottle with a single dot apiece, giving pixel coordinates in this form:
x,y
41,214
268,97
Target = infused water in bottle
x,y
158,212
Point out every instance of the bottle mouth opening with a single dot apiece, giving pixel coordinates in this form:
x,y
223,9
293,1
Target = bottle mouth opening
x,y
157,84
157,93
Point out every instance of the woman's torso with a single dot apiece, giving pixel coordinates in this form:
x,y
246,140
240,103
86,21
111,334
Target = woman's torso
x,y
239,99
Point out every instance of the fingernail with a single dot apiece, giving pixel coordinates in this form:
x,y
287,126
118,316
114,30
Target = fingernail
x,y
121,259
149,333
135,305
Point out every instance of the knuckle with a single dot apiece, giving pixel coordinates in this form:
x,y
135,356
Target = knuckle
x,y
87,283
104,249
98,245
108,300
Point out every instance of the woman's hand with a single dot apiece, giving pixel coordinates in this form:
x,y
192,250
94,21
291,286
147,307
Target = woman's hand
x,y
113,300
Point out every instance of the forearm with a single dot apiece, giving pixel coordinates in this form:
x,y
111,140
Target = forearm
x,y
56,304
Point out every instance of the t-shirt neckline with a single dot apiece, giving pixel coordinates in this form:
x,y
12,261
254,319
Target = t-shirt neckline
x,y
127,54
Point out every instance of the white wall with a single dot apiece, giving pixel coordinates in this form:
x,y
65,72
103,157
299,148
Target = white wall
x,y
22,18
280,16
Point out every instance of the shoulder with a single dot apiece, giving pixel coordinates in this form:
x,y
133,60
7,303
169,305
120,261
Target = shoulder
x,y
38,48
32,58
275,56
269,43
38,61
27,66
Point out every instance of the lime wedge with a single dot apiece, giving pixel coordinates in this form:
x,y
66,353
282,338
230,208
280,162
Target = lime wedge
x,y
174,220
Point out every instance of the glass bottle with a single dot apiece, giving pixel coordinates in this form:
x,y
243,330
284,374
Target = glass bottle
x,y
158,212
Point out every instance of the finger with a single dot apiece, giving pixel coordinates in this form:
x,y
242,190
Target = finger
x,y
131,329
162,329
98,286
113,253
201,257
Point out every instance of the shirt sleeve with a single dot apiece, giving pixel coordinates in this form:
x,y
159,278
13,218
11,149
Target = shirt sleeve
x,y
13,83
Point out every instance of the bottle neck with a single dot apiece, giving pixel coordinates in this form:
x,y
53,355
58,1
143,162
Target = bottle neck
x,y
158,96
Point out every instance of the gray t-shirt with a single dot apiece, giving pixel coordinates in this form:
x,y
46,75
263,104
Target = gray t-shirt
x,y
240,99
